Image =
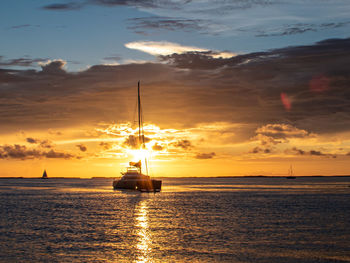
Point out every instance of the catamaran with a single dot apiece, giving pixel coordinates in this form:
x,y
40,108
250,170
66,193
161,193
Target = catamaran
x,y
134,178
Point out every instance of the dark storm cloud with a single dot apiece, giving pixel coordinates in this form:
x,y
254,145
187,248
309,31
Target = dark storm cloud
x,y
51,97
205,155
139,25
256,81
17,151
187,89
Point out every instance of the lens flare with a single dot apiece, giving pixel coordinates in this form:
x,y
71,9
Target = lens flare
x,y
286,101
140,154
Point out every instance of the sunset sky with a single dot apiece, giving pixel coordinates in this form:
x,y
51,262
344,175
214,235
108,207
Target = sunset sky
x,y
229,88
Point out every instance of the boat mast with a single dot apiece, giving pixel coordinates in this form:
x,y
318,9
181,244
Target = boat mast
x,y
141,133
139,111
139,116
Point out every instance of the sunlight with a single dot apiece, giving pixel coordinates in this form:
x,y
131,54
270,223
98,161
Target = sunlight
x,y
144,240
140,154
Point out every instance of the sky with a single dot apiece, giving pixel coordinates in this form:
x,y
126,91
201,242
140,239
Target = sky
x,y
229,88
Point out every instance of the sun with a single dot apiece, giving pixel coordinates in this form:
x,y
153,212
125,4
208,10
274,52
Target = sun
x,y
139,154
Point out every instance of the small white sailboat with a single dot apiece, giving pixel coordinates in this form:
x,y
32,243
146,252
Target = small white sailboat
x,y
134,178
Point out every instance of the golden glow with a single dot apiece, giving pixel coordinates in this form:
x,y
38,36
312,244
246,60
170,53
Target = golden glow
x,y
144,240
108,153
140,154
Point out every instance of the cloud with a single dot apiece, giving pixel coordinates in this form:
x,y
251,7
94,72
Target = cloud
x,y
282,131
221,6
260,150
228,18
161,48
135,3
53,67
299,28
63,6
113,58
23,26
287,30
46,144
105,145
21,152
41,143
169,142
273,134
165,48
142,24
157,147
297,151
205,155
111,3
32,140
17,152
82,147
334,24
184,144
21,62
52,132
185,90
54,154
132,141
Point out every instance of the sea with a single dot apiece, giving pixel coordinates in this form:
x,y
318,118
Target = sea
x,y
236,219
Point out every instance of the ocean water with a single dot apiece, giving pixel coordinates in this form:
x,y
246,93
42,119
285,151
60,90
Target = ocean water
x,y
191,220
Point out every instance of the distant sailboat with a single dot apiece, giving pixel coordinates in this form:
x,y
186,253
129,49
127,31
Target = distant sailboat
x,y
44,175
290,173
134,178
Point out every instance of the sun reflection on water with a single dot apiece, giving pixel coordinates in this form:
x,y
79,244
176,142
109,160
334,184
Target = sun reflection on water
x,y
144,240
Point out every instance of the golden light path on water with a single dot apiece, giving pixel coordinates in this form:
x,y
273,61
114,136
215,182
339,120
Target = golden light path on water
x,y
144,240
